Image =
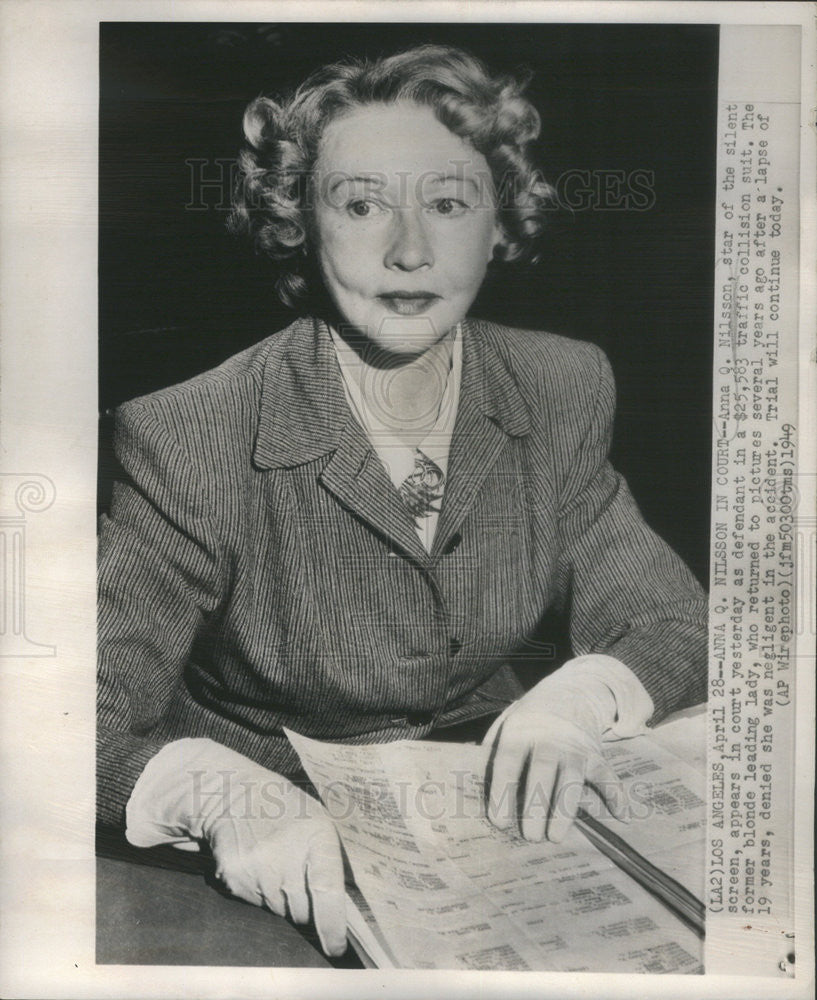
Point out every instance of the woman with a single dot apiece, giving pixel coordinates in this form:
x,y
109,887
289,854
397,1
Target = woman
x,y
351,528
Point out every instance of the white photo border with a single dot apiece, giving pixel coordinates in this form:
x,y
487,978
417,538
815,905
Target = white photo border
x,y
48,364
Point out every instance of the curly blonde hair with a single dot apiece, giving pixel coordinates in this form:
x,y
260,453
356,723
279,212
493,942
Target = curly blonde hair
x,y
271,195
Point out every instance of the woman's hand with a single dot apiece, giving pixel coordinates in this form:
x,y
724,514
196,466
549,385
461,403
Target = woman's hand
x,y
273,844
282,852
544,747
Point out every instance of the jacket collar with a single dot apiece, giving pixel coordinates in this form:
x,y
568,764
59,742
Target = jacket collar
x,y
487,383
303,412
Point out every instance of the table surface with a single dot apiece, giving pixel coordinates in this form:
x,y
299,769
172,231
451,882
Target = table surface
x,y
147,915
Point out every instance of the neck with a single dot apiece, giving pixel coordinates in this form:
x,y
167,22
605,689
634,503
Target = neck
x,y
405,392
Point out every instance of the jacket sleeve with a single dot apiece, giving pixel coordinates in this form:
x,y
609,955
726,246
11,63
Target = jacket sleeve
x,y
160,573
628,594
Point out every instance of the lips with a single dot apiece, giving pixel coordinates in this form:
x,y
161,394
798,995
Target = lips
x,y
408,303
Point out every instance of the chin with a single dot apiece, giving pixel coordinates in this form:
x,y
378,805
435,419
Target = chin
x,y
413,334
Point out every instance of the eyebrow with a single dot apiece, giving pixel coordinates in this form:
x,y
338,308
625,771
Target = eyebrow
x,y
378,179
443,178
362,178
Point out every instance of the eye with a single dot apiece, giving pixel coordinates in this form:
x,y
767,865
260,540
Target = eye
x,y
362,208
449,206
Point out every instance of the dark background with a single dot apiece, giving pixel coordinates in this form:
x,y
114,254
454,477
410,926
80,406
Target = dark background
x,y
178,294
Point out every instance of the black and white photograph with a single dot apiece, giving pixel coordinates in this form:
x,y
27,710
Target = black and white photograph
x,y
446,527
396,517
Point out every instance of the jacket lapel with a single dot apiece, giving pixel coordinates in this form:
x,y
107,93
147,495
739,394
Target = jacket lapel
x,y
491,410
355,475
304,416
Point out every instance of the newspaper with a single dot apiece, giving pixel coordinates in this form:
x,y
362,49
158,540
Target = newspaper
x,y
450,891
667,805
757,871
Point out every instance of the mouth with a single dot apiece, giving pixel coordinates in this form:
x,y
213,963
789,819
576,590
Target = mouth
x,y
408,303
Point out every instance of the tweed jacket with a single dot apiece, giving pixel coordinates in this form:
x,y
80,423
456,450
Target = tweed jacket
x,y
257,568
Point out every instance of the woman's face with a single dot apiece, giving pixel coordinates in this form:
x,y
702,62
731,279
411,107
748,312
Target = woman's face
x,y
404,224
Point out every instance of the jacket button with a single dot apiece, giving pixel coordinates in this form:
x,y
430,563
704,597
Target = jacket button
x,y
454,542
454,646
419,718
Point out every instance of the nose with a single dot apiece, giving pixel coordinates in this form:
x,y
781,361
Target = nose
x,y
409,246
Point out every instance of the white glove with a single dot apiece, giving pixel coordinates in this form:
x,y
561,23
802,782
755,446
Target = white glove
x,y
551,738
273,844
